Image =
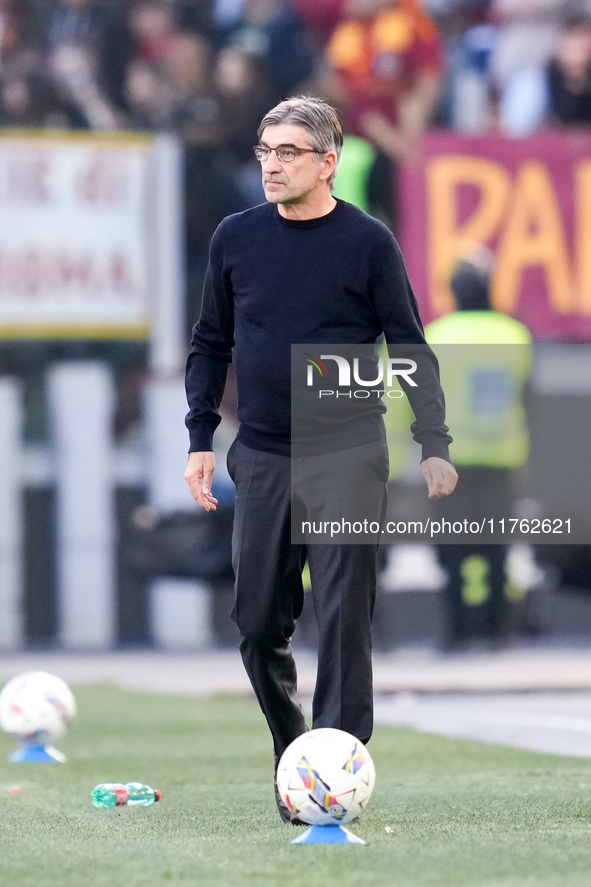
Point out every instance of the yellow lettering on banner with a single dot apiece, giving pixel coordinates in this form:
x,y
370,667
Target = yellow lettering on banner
x,y
583,236
533,235
445,237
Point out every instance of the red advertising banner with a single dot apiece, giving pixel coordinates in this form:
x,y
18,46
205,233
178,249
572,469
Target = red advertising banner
x,y
529,200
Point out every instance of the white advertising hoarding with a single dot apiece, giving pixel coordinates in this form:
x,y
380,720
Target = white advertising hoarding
x,y
76,257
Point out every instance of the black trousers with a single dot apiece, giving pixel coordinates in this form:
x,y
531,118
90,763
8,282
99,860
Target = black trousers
x,y
270,596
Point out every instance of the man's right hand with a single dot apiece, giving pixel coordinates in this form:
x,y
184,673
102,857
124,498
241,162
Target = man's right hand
x,y
198,475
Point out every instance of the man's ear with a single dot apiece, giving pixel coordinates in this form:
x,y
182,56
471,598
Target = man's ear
x,y
330,163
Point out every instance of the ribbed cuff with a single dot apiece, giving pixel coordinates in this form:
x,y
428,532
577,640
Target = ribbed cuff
x,y
200,440
435,447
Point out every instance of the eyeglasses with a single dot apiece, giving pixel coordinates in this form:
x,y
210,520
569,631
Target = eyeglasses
x,y
284,153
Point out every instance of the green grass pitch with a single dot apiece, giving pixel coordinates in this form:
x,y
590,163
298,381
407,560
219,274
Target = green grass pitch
x,y
444,812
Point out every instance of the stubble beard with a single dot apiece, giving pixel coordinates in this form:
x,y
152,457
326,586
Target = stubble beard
x,y
284,198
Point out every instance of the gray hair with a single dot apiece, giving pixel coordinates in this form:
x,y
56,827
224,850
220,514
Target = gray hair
x,y
316,116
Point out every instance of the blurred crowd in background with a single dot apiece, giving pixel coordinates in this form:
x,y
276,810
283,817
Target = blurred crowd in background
x,y
207,69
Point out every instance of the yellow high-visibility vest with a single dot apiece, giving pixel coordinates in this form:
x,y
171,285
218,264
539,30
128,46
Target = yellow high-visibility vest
x,y
351,181
485,360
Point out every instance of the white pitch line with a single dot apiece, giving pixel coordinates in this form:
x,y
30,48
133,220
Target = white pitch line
x,y
552,722
539,731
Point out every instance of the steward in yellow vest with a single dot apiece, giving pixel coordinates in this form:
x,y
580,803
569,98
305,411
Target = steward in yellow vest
x,y
485,360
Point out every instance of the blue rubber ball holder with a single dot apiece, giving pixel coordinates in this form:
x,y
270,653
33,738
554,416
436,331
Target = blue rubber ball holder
x,y
327,834
37,754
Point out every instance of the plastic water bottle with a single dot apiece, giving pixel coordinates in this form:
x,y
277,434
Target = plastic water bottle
x,y
115,794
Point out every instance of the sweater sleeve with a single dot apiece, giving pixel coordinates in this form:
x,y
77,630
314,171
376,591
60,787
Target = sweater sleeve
x,y
398,313
211,350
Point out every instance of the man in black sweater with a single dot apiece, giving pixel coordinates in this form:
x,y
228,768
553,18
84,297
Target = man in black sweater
x,y
302,268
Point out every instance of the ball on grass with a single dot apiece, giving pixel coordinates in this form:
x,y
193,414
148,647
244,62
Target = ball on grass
x,y
326,777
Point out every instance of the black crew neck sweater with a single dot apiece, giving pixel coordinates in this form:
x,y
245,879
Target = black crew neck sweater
x,y
273,282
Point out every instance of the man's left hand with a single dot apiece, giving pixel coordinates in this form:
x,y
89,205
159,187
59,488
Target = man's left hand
x,y
440,475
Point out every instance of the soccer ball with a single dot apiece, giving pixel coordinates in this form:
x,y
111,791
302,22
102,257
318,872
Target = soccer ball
x,y
36,707
326,777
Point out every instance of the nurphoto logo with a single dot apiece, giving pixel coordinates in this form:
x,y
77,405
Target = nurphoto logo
x,y
386,370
